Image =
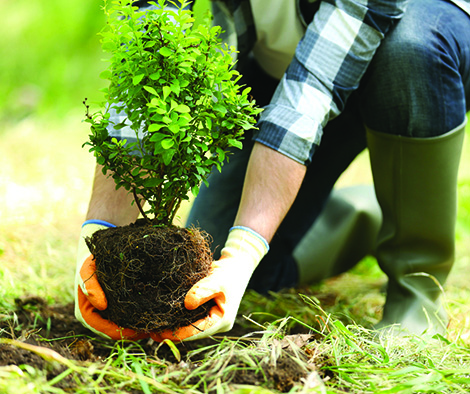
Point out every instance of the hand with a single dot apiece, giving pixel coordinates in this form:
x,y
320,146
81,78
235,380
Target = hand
x,y
225,284
89,296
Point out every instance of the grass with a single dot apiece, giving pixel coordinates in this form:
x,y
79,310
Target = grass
x,y
44,190
318,333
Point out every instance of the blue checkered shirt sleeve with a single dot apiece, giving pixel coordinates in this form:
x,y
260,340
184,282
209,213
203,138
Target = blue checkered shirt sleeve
x,y
328,64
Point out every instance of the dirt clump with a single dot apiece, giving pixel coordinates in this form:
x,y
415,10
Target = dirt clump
x,y
146,271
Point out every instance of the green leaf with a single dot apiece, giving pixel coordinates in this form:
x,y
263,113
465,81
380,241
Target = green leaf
x,y
174,128
154,76
168,156
157,137
167,143
235,143
164,51
195,190
220,108
182,108
166,92
175,87
137,79
154,127
152,182
151,90
221,154
173,349
106,74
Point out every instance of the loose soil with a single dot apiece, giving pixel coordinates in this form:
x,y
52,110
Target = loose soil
x,y
55,327
146,272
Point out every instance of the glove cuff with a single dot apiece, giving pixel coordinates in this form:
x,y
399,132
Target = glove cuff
x,y
243,240
97,221
91,226
88,228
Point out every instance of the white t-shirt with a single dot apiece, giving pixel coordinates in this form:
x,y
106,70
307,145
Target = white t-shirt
x,y
279,30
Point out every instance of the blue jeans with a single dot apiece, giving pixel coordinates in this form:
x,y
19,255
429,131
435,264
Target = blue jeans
x,y
419,81
416,85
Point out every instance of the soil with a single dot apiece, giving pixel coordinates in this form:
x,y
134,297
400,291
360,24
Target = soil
x,y
55,327
146,272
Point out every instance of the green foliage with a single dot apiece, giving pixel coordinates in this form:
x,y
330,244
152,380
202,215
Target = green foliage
x,y
175,82
50,57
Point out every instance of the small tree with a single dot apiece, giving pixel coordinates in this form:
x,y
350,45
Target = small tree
x,y
176,83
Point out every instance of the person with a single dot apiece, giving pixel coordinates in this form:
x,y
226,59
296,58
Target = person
x,y
389,75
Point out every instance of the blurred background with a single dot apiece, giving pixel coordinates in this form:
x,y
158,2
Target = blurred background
x,y
50,62
50,57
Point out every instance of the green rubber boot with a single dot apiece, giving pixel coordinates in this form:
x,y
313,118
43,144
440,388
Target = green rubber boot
x,y
344,233
416,186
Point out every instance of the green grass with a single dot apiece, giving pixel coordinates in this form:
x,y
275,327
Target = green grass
x,y
51,61
44,193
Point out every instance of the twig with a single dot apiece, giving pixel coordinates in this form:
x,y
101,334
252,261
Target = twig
x,y
136,199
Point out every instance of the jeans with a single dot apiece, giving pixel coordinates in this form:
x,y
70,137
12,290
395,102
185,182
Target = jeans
x,y
419,80
416,85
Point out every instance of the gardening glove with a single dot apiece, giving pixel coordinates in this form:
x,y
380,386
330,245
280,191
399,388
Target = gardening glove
x,y
89,296
225,284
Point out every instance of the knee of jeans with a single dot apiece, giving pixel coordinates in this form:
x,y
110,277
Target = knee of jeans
x,y
400,89
405,60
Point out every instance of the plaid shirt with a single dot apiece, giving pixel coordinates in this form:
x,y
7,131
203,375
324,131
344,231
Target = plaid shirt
x,y
328,64
340,40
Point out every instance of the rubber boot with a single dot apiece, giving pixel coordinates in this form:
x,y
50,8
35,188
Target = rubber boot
x,y
344,233
415,181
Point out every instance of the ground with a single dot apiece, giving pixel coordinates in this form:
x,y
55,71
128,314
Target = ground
x,y
309,339
40,329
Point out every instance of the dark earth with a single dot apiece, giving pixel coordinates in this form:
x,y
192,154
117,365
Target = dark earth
x,y
55,327
146,272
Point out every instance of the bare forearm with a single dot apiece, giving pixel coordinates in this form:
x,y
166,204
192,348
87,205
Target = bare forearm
x,y
271,185
109,204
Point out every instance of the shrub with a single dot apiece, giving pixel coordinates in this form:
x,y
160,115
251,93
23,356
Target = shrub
x,y
178,89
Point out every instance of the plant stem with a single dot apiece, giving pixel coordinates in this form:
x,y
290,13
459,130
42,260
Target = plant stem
x,y
136,199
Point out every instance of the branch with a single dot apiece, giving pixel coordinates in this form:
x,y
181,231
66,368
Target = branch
x,y
136,199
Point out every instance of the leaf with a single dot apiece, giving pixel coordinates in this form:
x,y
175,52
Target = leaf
x,y
157,137
154,76
220,108
221,154
167,143
174,128
152,182
182,108
175,87
200,170
164,51
167,156
151,90
195,190
235,143
136,80
166,92
154,127
173,349
106,74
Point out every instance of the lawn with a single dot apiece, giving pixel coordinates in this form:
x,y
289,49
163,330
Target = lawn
x,y
299,340
314,339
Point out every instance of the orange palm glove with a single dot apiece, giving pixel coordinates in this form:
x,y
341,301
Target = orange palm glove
x,y
89,296
226,284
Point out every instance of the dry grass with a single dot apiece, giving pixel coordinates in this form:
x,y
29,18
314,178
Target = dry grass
x,y
45,185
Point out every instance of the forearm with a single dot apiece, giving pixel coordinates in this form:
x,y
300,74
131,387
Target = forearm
x,y
108,204
271,185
